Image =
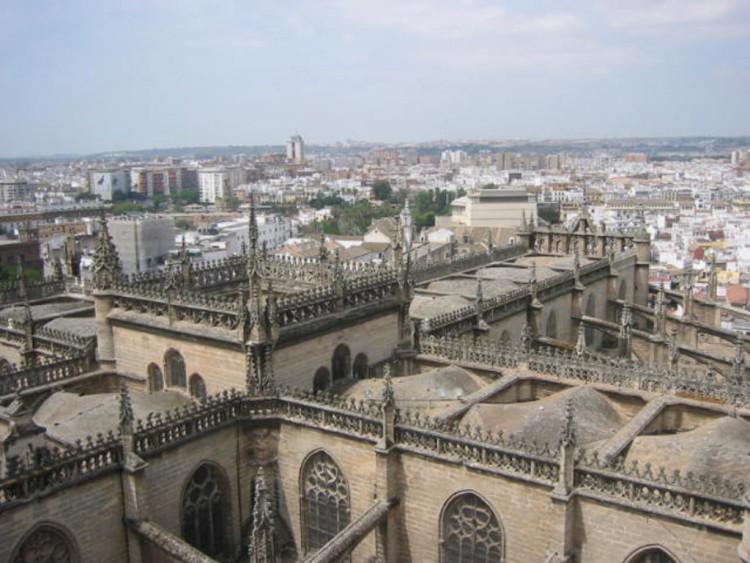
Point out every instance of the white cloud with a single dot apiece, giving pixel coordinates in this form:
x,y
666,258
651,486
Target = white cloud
x,y
669,13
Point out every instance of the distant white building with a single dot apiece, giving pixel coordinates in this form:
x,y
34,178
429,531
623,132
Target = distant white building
x,y
273,232
219,183
295,150
105,183
143,242
490,208
16,190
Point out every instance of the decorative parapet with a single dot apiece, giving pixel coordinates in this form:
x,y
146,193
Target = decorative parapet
x,y
40,475
43,374
11,292
699,500
425,272
499,306
591,368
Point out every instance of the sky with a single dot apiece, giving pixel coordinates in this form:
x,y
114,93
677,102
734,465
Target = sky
x,y
80,77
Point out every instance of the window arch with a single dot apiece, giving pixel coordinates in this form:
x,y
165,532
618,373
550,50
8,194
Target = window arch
x,y
46,542
361,366
623,294
155,378
651,554
325,501
197,387
5,366
470,531
341,364
551,329
322,379
174,366
205,507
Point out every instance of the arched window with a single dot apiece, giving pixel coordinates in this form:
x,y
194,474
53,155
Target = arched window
x,y
155,378
322,379
551,325
623,294
197,387
205,507
174,365
341,363
470,531
651,555
5,366
46,543
325,503
360,366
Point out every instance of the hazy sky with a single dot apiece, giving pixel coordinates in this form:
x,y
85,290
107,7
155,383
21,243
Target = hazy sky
x,y
78,77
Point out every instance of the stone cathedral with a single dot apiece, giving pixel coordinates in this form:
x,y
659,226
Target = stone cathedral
x,y
531,402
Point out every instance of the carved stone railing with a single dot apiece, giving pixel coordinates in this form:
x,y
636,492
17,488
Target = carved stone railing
x,y
697,384
44,374
475,447
163,430
425,272
11,292
509,303
31,478
702,500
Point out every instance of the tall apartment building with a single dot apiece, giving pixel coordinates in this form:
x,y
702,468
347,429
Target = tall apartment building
x,y
155,180
143,242
295,150
105,183
16,190
219,183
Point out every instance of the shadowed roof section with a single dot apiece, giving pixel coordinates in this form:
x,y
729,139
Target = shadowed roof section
x,y
543,421
720,448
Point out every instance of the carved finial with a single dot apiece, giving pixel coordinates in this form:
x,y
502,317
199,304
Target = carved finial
x,y
126,408
322,250
107,267
568,437
524,224
389,397
480,294
581,341
738,369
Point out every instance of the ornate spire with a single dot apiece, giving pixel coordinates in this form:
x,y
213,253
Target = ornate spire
x,y
126,408
389,398
581,341
322,250
254,256
261,548
568,437
107,267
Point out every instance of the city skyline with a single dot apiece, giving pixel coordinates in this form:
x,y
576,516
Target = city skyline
x,y
84,78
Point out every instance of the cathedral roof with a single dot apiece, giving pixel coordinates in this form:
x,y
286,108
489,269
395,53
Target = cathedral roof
x,y
542,421
69,416
720,448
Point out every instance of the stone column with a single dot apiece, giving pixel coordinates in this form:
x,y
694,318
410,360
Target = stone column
x,y
104,334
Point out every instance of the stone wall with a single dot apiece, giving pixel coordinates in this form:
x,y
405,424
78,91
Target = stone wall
x,y
295,365
90,512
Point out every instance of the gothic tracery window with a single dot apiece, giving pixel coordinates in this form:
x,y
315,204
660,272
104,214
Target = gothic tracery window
x,y
45,545
175,368
204,511
653,555
325,504
470,531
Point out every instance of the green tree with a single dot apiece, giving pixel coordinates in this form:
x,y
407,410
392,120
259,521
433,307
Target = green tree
x,y
381,190
86,196
184,224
